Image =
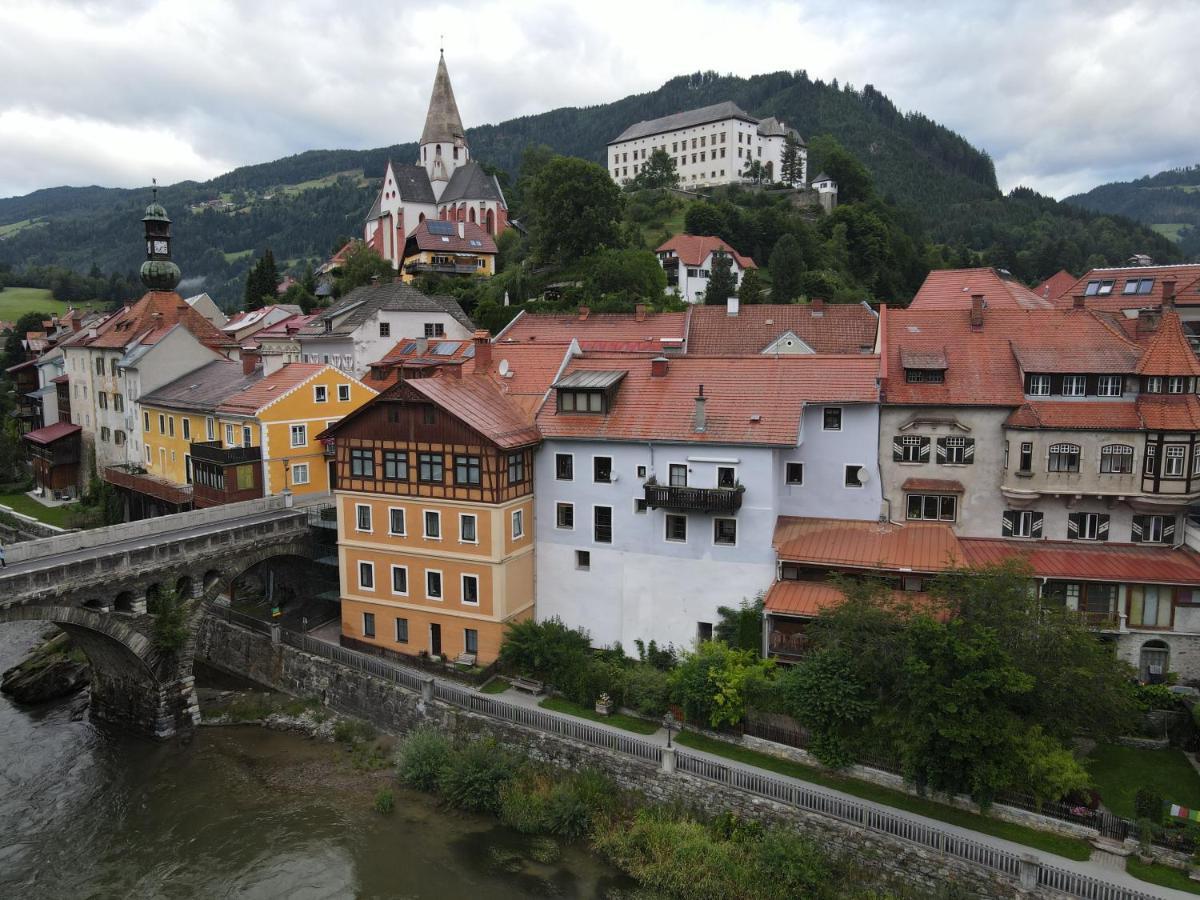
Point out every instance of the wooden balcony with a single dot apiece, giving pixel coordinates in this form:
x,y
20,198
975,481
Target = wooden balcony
x,y
216,452
693,499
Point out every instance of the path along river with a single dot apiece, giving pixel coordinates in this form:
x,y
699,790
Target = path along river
x,y
236,813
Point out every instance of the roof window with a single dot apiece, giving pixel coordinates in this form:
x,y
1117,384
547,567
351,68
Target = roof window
x,y
1139,286
1099,288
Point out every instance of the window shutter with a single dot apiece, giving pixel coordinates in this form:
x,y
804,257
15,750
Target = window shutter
x,y
1006,528
925,449
1056,384
1139,529
1102,529
969,451
1169,529
941,450
1073,525
897,450
1035,526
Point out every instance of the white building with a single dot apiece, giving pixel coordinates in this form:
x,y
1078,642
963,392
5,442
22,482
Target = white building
x,y
659,482
688,261
710,146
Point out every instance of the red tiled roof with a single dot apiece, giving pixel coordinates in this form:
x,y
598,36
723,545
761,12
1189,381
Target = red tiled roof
x,y
940,485
953,288
148,320
281,329
1090,415
833,328
61,379
51,433
1169,412
1168,351
802,598
751,400
647,331
694,249
269,389
530,370
1186,278
478,401
452,242
914,546
1056,285
1096,562
1105,356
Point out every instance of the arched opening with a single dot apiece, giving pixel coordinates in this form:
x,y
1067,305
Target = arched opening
x,y
420,218
123,602
153,597
95,603
1154,661
471,216
211,577
296,591
184,587
491,222
442,213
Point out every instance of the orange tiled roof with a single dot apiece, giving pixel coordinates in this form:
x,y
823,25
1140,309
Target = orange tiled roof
x,y
1168,351
479,401
530,368
952,289
802,598
694,249
748,400
452,242
1091,415
941,485
647,331
829,328
1105,561
1169,412
913,546
1056,285
1186,278
269,389
148,320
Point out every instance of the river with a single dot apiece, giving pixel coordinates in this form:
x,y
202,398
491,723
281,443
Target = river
x,y
236,812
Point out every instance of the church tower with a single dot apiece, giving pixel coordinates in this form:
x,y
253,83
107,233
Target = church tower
x,y
444,141
158,272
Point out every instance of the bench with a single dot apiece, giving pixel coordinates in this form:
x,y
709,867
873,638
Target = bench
x,y
465,659
531,685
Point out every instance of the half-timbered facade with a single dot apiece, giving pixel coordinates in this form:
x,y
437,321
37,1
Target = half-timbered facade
x,y
435,517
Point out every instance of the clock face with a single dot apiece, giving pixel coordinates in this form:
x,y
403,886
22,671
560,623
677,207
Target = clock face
x,y
160,247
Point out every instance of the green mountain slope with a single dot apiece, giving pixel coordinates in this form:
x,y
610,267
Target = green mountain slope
x,y
1168,202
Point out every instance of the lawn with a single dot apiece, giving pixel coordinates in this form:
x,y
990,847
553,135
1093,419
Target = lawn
x,y
1163,876
51,515
1071,848
236,255
1169,230
16,301
1118,772
496,686
618,720
13,227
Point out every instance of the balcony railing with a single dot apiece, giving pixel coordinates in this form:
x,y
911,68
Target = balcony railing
x,y
215,452
444,269
693,499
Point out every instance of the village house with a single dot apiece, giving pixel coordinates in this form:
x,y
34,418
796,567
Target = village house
x,y
688,260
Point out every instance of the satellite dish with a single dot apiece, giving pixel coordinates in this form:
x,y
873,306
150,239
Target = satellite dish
x,y
863,475
504,370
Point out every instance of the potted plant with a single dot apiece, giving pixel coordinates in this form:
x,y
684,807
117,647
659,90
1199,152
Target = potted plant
x,y
604,704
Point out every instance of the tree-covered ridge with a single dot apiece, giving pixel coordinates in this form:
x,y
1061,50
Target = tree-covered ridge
x,y
1169,200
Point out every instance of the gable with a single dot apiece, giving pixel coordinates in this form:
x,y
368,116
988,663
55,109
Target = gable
x,y
788,342
398,417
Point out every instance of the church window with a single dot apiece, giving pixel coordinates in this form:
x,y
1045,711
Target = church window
x,y
456,153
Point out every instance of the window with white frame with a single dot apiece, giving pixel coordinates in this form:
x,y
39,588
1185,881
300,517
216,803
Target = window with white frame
x,y
910,448
230,436
1025,523
1176,384
726,477
725,532
564,515
1174,460
678,475
1153,529
362,517
400,580
831,418
320,393
467,531
518,524
932,507
1109,385
1087,526
1116,459
396,523
187,428
299,435
1074,385
564,467
1039,385
210,428
1063,458
300,473
343,394
433,584
676,528
366,575
958,450
470,590
433,524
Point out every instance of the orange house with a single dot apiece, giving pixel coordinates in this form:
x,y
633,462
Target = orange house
x,y
435,517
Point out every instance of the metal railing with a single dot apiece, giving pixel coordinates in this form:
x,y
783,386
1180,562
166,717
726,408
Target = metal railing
x,y
237,618
760,784
693,499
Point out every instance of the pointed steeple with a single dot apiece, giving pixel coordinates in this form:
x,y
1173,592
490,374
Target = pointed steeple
x,y
443,125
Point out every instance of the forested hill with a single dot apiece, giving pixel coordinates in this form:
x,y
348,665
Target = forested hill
x,y
301,205
1168,202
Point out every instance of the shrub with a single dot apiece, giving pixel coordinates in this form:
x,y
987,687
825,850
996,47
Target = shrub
x,y
548,650
647,690
523,804
1049,770
593,677
710,683
1156,696
474,775
353,731
384,801
663,658
422,757
1148,804
537,802
822,693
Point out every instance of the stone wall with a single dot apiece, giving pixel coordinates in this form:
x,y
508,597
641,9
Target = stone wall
x,y
396,710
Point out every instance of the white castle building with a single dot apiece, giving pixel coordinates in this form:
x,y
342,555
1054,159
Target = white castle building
x,y
445,183
710,146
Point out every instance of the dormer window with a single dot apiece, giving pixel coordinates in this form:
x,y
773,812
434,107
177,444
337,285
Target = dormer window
x,y
1074,385
1153,385
580,401
587,391
1175,384
924,376
1109,385
1039,386
1141,286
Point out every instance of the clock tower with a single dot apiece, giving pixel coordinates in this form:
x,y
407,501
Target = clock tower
x,y
158,272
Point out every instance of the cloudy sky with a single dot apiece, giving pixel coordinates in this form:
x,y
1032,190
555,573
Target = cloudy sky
x,y
1064,95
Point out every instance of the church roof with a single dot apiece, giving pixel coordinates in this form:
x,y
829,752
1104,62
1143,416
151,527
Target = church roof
x,y
469,182
413,183
443,123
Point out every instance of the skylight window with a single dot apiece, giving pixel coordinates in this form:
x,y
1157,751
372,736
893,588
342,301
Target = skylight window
x,y
1140,286
1099,288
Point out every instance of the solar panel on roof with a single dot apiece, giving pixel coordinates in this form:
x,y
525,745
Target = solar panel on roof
x,y
439,227
446,348
409,348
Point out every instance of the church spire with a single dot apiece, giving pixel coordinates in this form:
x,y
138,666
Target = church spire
x,y
158,272
443,125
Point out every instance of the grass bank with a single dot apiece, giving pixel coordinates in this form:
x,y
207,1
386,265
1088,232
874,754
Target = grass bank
x,y
617,720
27,506
1163,876
1118,772
1071,848
16,301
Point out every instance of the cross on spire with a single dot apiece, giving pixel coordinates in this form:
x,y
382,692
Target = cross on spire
x,y
154,181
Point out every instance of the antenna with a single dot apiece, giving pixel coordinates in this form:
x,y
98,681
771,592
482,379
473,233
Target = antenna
x,y
154,181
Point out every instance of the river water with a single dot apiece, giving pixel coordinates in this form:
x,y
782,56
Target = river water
x,y
239,813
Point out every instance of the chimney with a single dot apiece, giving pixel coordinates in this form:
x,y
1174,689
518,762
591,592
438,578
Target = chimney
x,y
817,307
977,310
584,312
731,305
658,367
453,370
273,362
483,350
422,346
699,423
1079,301
462,230
250,360
639,313
1169,293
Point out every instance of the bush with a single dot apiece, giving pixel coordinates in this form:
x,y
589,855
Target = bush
x,y
647,690
474,775
663,658
538,803
523,803
547,650
710,684
1148,804
1156,696
384,801
423,756
353,731
1049,770
592,678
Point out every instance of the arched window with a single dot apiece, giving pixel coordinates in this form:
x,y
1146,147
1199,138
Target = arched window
x,y
1154,661
1116,459
437,150
471,215
442,213
491,228
420,218
1063,458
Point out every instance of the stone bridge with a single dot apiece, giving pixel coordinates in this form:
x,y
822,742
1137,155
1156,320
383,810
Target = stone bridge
x,y
100,586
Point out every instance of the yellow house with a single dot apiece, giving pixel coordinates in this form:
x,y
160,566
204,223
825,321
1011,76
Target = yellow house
x,y
235,435
449,248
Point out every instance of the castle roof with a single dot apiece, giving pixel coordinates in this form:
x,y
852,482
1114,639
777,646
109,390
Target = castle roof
x,y
443,125
718,112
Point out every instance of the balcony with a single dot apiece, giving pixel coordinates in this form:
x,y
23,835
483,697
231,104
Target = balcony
x,y
692,499
215,452
419,268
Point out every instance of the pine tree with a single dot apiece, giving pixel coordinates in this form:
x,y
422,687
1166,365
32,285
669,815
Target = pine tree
x,y
789,166
722,283
787,269
751,289
261,282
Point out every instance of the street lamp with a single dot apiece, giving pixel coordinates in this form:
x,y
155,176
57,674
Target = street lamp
x,y
669,723
304,624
